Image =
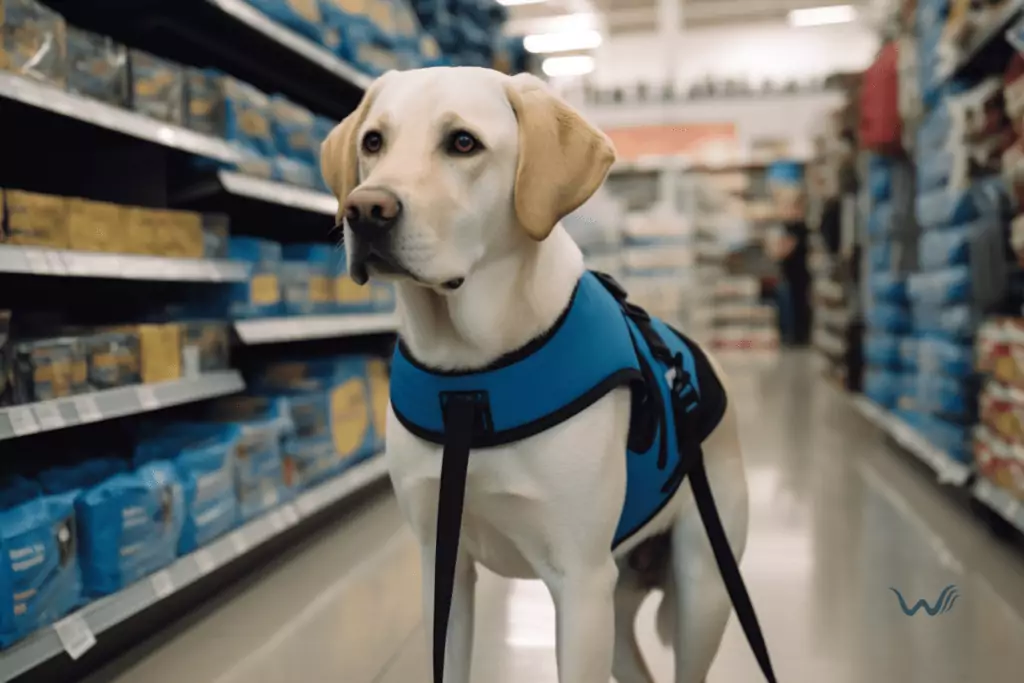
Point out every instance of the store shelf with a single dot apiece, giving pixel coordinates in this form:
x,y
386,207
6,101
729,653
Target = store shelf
x,y
76,634
1008,507
947,470
277,330
46,416
994,31
317,54
59,263
261,190
234,37
102,115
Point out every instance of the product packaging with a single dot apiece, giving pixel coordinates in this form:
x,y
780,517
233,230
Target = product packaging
x,y
35,220
216,232
306,279
158,87
97,67
294,130
247,118
261,296
130,526
6,358
40,581
204,93
97,226
49,369
377,378
205,346
114,359
301,16
159,351
33,41
204,458
262,479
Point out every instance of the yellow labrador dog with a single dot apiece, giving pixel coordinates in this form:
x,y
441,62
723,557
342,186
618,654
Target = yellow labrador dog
x,y
452,183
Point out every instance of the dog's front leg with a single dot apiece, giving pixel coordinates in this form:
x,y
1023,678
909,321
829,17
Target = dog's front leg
x,y
585,605
459,649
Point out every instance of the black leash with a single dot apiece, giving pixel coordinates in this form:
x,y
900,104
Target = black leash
x,y
459,419
727,565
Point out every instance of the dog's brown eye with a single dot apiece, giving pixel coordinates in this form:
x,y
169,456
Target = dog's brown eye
x,y
462,142
372,142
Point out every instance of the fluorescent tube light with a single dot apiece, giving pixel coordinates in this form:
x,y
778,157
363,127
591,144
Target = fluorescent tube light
x,y
512,3
565,41
576,65
820,16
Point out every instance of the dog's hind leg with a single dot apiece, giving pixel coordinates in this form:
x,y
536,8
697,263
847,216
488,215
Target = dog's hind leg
x,y
694,591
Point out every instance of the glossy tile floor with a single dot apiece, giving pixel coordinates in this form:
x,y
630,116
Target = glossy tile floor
x,y
838,518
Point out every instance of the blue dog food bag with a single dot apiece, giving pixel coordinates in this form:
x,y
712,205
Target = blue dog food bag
x,y
39,572
130,526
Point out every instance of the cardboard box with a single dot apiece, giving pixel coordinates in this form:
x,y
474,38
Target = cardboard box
x,y
97,226
159,351
180,234
35,220
158,87
33,41
205,347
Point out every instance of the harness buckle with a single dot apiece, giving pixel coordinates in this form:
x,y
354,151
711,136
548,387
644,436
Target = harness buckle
x,y
479,401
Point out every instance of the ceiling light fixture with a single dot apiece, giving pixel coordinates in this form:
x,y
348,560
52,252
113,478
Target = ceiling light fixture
x,y
821,16
513,3
561,67
564,41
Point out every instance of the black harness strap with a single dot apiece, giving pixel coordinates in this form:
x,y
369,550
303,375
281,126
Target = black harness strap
x,y
460,418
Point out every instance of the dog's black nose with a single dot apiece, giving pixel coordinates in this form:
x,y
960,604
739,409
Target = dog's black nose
x,y
372,212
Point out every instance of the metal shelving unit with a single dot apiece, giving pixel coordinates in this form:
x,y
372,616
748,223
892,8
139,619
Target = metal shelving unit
x,y
93,112
261,190
45,416
61,263
278,330
77,634
947,470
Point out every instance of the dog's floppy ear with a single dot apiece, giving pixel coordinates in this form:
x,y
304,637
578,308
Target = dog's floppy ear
x,y
339,159
562,158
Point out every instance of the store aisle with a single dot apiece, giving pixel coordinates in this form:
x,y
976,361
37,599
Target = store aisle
x,y
837,519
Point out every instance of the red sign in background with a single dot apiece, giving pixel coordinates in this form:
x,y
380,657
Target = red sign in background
x,y
689,139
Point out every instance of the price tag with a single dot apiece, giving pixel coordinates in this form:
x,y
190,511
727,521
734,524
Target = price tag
x,y
1012,510
163,585
147,398
56,263
238,541
306,507
277,522
87,409
205,562
290,515
75,635
48,415
37,262
23,422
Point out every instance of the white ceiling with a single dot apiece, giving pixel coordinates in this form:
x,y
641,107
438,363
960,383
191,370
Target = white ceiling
x,y
642,16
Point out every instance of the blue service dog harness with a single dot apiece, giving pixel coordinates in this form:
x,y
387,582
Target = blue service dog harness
x,y
599,343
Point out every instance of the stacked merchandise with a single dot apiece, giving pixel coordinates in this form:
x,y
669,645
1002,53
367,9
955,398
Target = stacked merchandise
x,y
72,533
832,192
469,33
889,348
999,439
596,228
294,280
657,263
728,311
276,138
961,209
52,222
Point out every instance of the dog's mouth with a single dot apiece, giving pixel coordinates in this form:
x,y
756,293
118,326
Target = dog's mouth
x,y
375,261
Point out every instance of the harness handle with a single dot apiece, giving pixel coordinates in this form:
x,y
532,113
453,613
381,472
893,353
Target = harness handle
x,y
460,415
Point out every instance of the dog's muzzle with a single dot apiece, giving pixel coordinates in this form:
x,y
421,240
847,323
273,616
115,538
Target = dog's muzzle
x,y
372,213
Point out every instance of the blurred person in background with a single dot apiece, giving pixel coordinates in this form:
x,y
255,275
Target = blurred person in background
x,y
789,248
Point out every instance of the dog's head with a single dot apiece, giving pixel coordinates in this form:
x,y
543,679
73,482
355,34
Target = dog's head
x,y
439,168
